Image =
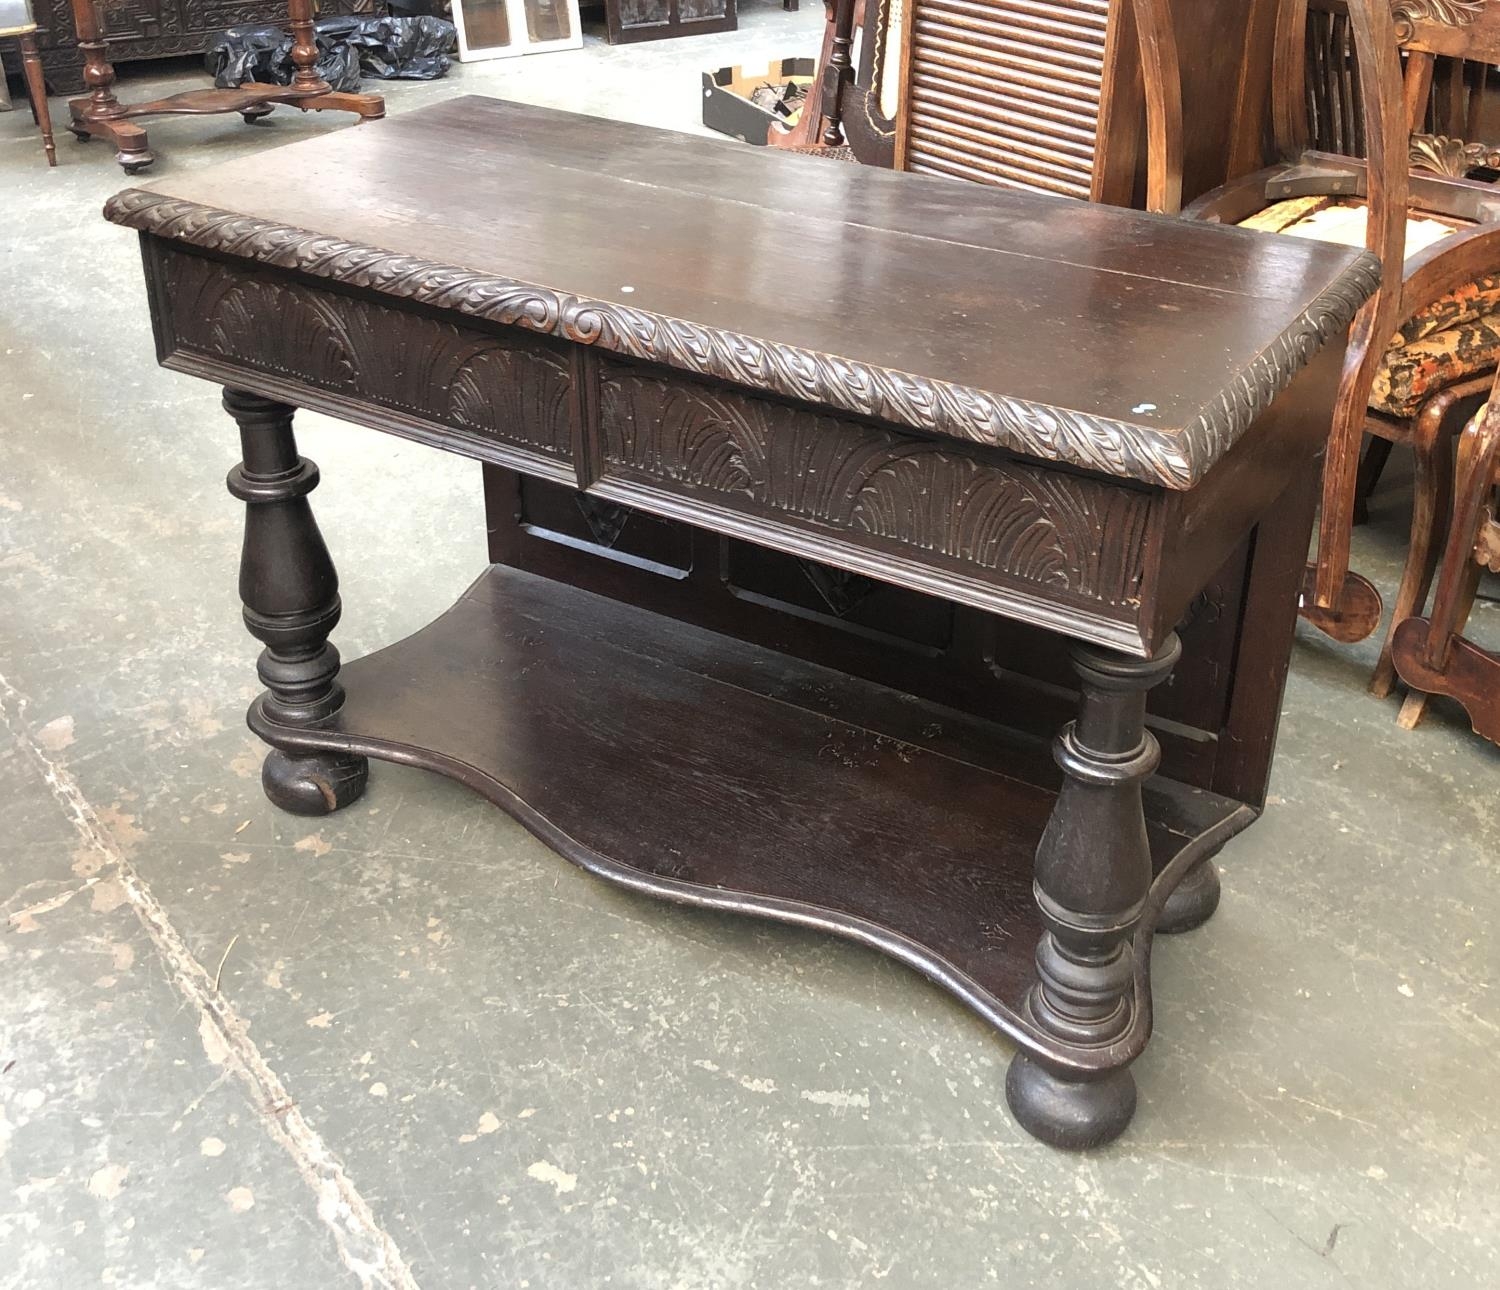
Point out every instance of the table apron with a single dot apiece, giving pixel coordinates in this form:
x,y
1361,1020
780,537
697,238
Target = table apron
x,y
1068,552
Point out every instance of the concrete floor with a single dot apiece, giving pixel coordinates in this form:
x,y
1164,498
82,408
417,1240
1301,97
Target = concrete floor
x,y
407,1045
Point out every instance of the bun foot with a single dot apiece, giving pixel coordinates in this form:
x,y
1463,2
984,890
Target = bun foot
x,y
1193,900
315,785
1076,1115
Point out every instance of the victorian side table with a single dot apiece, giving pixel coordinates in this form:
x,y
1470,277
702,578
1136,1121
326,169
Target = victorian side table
x,y
1022,414
100,115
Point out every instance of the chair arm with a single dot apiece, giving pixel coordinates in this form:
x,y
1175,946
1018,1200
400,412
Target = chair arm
x,y
1448,264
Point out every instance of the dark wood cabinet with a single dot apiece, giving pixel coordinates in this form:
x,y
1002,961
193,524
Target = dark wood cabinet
x,y
631,20
842,548
141,29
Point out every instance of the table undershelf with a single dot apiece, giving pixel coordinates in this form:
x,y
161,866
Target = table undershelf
x,y
708,771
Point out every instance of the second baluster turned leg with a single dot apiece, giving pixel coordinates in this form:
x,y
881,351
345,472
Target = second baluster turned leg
x,y
291,596
1093,873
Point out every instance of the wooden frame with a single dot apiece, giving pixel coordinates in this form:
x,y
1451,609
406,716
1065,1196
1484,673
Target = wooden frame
x,y
1431,654
503,28
1007,483
1341,603
1058,97
100,115
702,18
24,34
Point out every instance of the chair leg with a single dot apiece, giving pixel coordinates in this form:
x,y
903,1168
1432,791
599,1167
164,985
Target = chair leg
x,y
36,91
1336,600
1371,467
1414,707
1478,454
1422,647
1431,490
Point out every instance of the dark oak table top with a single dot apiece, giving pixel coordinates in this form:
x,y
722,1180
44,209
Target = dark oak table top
x,y
1134,345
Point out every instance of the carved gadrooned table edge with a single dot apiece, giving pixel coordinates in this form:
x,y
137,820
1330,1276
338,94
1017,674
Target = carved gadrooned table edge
x,y
1166,458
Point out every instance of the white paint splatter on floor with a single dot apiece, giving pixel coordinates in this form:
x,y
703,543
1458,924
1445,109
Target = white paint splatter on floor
x,y
108,1181
545,1171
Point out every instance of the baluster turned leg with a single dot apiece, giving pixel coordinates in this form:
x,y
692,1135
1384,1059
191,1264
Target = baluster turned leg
x,y
838,73
1093,873
291,596
100,112
36,91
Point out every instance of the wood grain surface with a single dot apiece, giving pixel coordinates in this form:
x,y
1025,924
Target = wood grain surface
x,y
1133,345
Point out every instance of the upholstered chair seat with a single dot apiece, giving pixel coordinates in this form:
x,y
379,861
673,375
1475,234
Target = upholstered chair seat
x,y
1452,339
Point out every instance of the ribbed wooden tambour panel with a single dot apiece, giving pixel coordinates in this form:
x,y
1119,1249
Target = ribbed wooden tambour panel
x,y
1007,91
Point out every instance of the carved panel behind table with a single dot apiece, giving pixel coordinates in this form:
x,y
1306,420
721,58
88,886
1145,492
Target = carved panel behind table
x,y
851,602
1071,536
557,512
514,388
626,21
140,29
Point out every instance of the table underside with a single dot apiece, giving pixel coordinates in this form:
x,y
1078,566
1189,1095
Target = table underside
x,y
713,772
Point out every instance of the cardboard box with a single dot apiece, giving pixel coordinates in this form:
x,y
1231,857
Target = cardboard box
x,y
726,96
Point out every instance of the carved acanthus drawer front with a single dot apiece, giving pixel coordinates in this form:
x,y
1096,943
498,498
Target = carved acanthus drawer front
x,y
1002,521
468,384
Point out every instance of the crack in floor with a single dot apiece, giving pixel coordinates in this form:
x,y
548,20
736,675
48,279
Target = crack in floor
x,y
364,1246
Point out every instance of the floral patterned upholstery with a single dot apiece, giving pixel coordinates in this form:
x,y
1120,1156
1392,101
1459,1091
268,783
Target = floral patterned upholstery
x,y
1450,340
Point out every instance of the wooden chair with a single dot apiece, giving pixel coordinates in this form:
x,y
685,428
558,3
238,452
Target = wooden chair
x,y
807,134
1046,95
1419,349
1431,655
16,22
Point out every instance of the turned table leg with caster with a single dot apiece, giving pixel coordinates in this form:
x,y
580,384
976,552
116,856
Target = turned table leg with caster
x,y
291,596
1093,876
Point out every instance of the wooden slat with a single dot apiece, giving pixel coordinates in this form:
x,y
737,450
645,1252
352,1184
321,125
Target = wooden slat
x,y
1009,58
984,81
1021,135
1040,13
999,152
1007,91
982,97
1080,41
993,168
934,165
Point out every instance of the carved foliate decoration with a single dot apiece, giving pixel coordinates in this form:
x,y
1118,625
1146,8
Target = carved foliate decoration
x,y
1173,458
1451,157
606,520
156,29
1066,533
843,592
1448,13
464,380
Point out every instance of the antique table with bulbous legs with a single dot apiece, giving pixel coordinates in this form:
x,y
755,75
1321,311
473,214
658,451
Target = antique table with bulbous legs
x,y
1029,421
99,114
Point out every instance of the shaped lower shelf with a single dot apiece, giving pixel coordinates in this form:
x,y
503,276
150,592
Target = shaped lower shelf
x,y
678,762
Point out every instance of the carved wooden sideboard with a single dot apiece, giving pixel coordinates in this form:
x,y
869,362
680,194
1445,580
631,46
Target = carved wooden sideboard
x,y
995,422
628,21
142,29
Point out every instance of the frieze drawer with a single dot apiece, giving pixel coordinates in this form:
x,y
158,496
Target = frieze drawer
x,y
506,386
979,515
